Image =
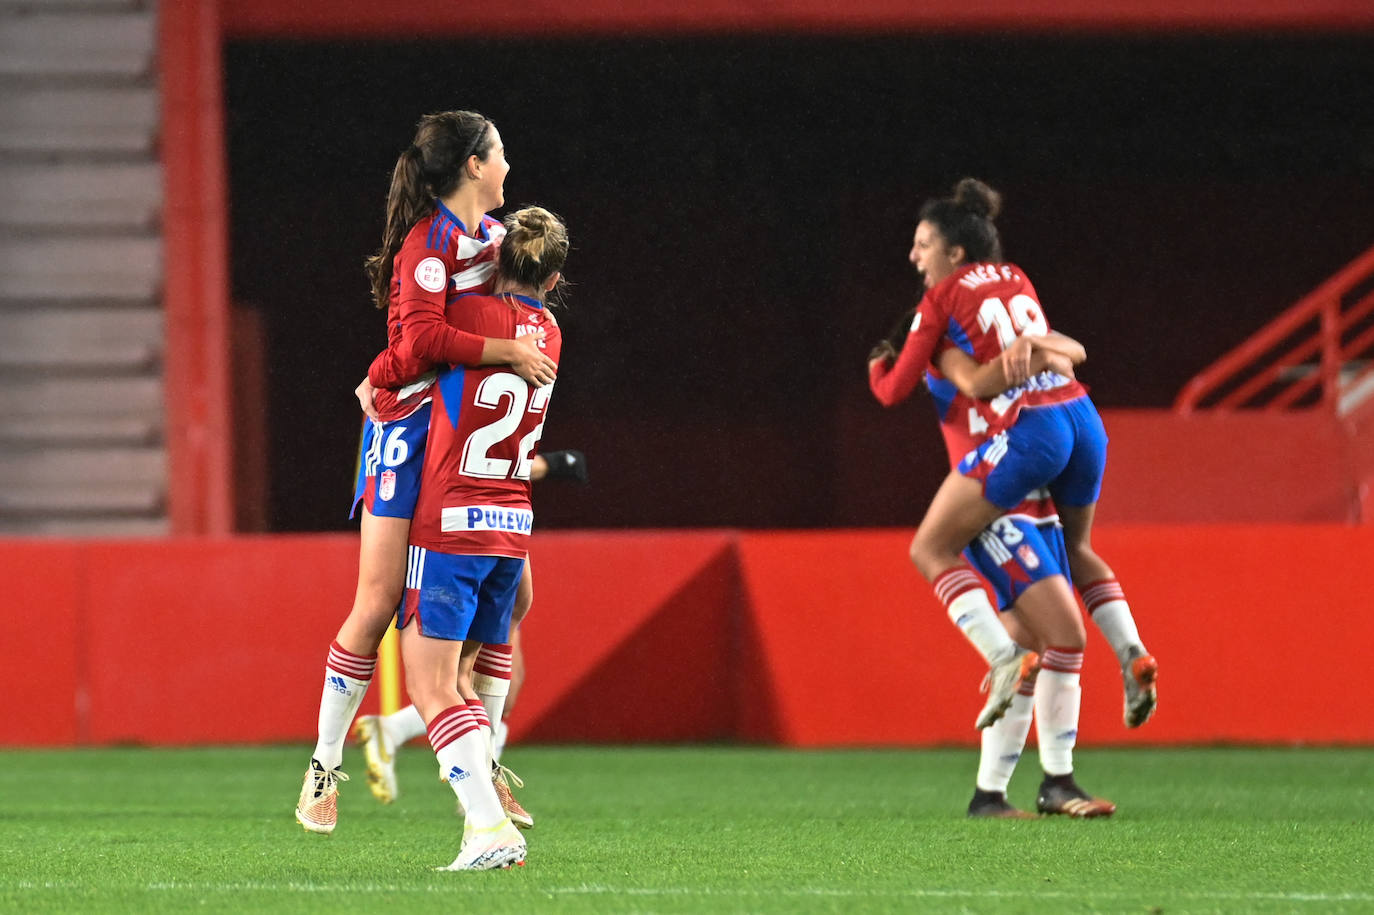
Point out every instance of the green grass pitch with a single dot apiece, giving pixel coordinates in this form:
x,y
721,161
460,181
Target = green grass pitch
x,y
665,829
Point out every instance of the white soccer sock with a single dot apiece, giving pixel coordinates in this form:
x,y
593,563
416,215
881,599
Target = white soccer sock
x,y
499,733
1057,700
960,590
479,714
403,726
1003,742
491,679
462,752
1107,606
346,677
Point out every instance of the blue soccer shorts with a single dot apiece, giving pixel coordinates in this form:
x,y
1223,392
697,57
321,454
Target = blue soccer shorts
x,y
459,596
1015,552
1062,447
391,457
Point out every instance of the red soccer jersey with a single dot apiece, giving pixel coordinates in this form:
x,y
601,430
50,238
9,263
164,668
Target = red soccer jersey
x,y
980,308
438,260
483,434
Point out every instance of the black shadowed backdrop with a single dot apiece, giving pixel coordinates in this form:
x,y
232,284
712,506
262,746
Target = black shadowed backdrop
x,y
741,211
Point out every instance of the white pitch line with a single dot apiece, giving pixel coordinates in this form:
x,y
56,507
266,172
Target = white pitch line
x,y
802,892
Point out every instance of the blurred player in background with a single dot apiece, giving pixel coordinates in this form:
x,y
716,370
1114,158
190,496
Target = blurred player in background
x,y
470,534
986,308
382,735
1020,549
443,183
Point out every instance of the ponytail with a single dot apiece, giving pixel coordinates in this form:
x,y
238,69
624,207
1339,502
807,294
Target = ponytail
x,y
406,204
432,166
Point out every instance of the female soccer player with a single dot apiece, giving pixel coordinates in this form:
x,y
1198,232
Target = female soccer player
x,y
1017,552
471,527
1020,549
381,736
1042,432
438,242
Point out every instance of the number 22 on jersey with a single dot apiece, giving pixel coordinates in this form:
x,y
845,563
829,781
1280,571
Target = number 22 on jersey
x,y
483,450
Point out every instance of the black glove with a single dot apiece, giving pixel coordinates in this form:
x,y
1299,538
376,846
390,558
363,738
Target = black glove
x,y
566,465
883,350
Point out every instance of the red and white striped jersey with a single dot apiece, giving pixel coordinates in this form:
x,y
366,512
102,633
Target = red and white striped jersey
x,y
438,260
980,308
484,431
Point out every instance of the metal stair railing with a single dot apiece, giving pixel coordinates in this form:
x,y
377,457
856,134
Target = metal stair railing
x,y
1261,374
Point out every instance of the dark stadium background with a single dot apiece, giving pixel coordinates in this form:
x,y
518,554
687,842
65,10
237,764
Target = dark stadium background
x,y
741,211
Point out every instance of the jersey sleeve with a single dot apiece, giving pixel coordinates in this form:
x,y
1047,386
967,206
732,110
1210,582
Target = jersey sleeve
x,y
892,384
423,274
389,371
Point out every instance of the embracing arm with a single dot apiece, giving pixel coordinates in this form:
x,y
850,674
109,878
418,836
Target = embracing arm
x,y
1053,352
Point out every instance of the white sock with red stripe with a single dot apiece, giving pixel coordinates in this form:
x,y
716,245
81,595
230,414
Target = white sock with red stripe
x,y
961,591
1004,741
403,726
1107,606
462,751
1057,699
479,714
346,677
491,679
499,733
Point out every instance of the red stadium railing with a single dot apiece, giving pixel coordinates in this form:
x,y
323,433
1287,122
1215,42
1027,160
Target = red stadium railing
x,y
1317,354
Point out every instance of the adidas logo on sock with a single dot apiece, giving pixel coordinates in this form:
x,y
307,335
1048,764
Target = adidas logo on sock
x,y
337,683
457,775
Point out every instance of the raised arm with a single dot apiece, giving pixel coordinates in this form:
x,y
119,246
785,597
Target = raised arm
x,y
892,377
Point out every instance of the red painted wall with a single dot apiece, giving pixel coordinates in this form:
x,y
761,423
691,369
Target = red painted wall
x,y
1243,466
814,638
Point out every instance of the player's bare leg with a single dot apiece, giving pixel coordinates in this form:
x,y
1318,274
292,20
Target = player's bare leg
x,y
1106,603
493,674
381,581
1003,742
351,661
955,517
439,686
1058,696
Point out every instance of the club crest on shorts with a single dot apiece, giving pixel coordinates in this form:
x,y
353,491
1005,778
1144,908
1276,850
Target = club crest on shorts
x,y
1027,556
386,485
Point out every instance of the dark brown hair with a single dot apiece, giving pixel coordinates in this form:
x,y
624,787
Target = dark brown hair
x,y
965,219
432,166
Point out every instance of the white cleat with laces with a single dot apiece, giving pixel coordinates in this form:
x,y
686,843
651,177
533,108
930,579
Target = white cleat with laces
x,y
501,779
318,807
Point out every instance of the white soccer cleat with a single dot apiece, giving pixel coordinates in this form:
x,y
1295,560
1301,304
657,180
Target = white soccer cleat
x,y
1002,682
499,846
380,756
501,777
318,807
